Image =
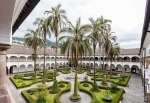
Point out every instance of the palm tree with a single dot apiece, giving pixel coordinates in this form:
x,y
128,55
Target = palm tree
x,y
57,18
108,40
95,27
105,25
33,40
73,44
44,30
114,52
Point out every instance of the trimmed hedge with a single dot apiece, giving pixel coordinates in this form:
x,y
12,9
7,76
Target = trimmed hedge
x,y
29,99
57,99
22,86
116,99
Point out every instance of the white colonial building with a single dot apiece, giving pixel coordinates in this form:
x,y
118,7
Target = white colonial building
x,y
19,60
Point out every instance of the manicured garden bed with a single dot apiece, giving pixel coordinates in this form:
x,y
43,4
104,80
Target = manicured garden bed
x,y
31,95
97,96
27,79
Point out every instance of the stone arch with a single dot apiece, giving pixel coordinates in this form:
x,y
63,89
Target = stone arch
x,y
106,58
126,68
96,58
113,68
48,59
126,59
119,59
42,59
135,69
38,59
22,59
107,67
14,59
30,67
52,58
22,68
119,67
14,69
29,59
47,66
91,58
52,65
42,66
96,65
92,65
135,59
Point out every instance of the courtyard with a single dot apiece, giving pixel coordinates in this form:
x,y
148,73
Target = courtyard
x,y
133,93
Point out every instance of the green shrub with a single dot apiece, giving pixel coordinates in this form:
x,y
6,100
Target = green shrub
x,y
113,88
19,76
107,98
55,88
41,100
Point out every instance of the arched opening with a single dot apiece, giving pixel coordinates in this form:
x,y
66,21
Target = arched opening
x,y
30,67
107,67
135,69
91,58
126,59
14,69
135,59
47,66
87,58
102,59
29,59
6,58
83,58
42,59
91,65
87,65
119,59
42,66
119,68
96,58
96,66
38,59
22,59
22,68
52,58
106,59
48,59
127,68
113,68
52,65
13,59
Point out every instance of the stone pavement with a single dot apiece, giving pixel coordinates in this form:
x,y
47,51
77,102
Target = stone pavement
x,y
133,93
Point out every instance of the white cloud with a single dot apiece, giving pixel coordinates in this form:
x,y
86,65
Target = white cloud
x,y
127,16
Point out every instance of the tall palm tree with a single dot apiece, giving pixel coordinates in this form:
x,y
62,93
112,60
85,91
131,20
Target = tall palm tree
x,y
57,18
73,44
108,40
95,29
114,52
105,25
33,40
44,30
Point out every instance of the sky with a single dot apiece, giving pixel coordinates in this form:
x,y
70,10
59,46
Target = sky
x,y
127,17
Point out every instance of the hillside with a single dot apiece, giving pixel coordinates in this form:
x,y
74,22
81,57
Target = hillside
x,y
22,40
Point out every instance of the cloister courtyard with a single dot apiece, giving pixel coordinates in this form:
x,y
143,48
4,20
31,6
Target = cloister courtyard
x,y
133,90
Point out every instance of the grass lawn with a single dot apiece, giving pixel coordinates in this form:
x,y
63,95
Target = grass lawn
x,y
97,96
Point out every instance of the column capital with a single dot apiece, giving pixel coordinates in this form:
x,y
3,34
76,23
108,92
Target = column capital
x,y
4,47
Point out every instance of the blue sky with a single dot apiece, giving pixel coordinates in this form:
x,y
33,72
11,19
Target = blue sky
x,y
127,16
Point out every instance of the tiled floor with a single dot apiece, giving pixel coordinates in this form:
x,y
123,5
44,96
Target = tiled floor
x,y
133,93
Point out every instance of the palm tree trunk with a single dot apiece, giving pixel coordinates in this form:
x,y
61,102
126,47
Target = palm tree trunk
x,y
44,60
56,58
76,75
35,63
110,68
103,61
100,60
94,61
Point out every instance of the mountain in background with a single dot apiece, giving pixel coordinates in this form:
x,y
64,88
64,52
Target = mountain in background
x,y
22,40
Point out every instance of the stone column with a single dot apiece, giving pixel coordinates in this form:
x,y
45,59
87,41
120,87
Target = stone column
x,y
3,48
